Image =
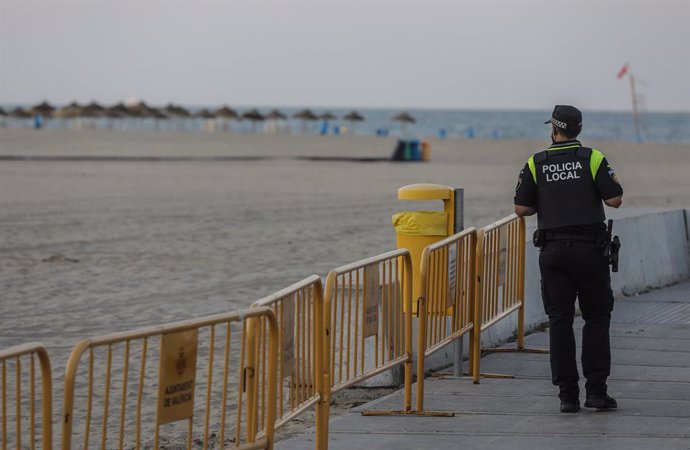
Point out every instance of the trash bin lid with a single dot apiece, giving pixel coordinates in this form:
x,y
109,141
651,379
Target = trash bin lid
x,y
424,191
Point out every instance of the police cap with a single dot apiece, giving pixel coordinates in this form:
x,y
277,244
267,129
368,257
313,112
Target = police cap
x,y
566,117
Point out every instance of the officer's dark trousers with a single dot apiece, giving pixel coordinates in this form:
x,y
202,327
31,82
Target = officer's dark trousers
x,y
571,269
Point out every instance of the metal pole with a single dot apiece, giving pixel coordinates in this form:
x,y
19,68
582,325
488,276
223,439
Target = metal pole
x,y
459,210
458,356
459,225
636,118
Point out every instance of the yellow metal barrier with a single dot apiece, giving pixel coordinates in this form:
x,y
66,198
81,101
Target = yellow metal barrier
x,y
13,358
158,398
447,283
303,379
500,287
369,332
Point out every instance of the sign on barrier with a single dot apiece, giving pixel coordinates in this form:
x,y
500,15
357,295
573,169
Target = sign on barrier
x,y
110,402
372,300
287,334
177,376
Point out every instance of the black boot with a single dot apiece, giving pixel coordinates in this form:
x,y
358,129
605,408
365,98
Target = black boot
x,y
601,402
570,406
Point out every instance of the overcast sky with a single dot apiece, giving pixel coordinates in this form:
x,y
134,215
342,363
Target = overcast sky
x,y
459,54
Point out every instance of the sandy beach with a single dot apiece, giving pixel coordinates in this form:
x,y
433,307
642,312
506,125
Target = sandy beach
x,y
200,223
99,246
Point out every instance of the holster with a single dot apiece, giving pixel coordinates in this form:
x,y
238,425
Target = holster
x,y
610,248
538,238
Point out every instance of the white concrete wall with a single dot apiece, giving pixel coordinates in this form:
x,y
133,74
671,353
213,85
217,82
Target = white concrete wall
x,y
655,251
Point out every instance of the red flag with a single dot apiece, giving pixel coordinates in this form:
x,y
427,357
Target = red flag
x,y
623,71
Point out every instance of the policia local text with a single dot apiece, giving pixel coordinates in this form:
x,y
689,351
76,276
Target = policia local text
x,y
562,171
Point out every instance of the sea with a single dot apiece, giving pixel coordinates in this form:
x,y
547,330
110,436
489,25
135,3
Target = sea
x,y
659,127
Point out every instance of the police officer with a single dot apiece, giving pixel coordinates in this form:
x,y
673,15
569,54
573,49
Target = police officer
x,y
565,186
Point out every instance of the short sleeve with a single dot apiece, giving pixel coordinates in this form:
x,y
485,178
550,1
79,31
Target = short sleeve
x,y
526,189
607,182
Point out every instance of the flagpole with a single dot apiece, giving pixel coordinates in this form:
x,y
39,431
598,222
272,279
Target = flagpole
x,y
636,118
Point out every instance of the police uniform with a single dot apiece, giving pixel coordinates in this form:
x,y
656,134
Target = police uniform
x,y
566,183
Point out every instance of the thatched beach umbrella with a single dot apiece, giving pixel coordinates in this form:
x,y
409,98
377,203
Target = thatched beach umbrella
x,y
254,116
183,112
44,109
70,111
113,114
174,111
156,113
305,115
170,110
142,110
276,115
404,118
226,113
276,123
93,109
68,114
205,114
117,110
19,113
353,117
327,116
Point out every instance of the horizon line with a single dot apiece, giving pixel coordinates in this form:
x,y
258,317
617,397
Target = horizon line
x,y
363,108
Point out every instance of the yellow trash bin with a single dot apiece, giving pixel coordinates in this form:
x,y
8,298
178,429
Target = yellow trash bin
x,y
417,229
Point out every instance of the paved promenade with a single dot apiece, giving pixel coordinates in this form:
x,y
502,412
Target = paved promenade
x,y
650,379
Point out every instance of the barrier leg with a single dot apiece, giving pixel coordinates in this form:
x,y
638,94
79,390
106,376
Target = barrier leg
x,y
421,350
251,379
323,379
476,352
520,339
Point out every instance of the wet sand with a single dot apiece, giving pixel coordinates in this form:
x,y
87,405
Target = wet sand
x,y
89,247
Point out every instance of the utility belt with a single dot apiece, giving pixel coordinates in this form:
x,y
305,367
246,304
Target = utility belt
x,y
541,237
607,244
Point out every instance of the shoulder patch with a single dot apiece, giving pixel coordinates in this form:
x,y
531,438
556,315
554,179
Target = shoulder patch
x,y
612,174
